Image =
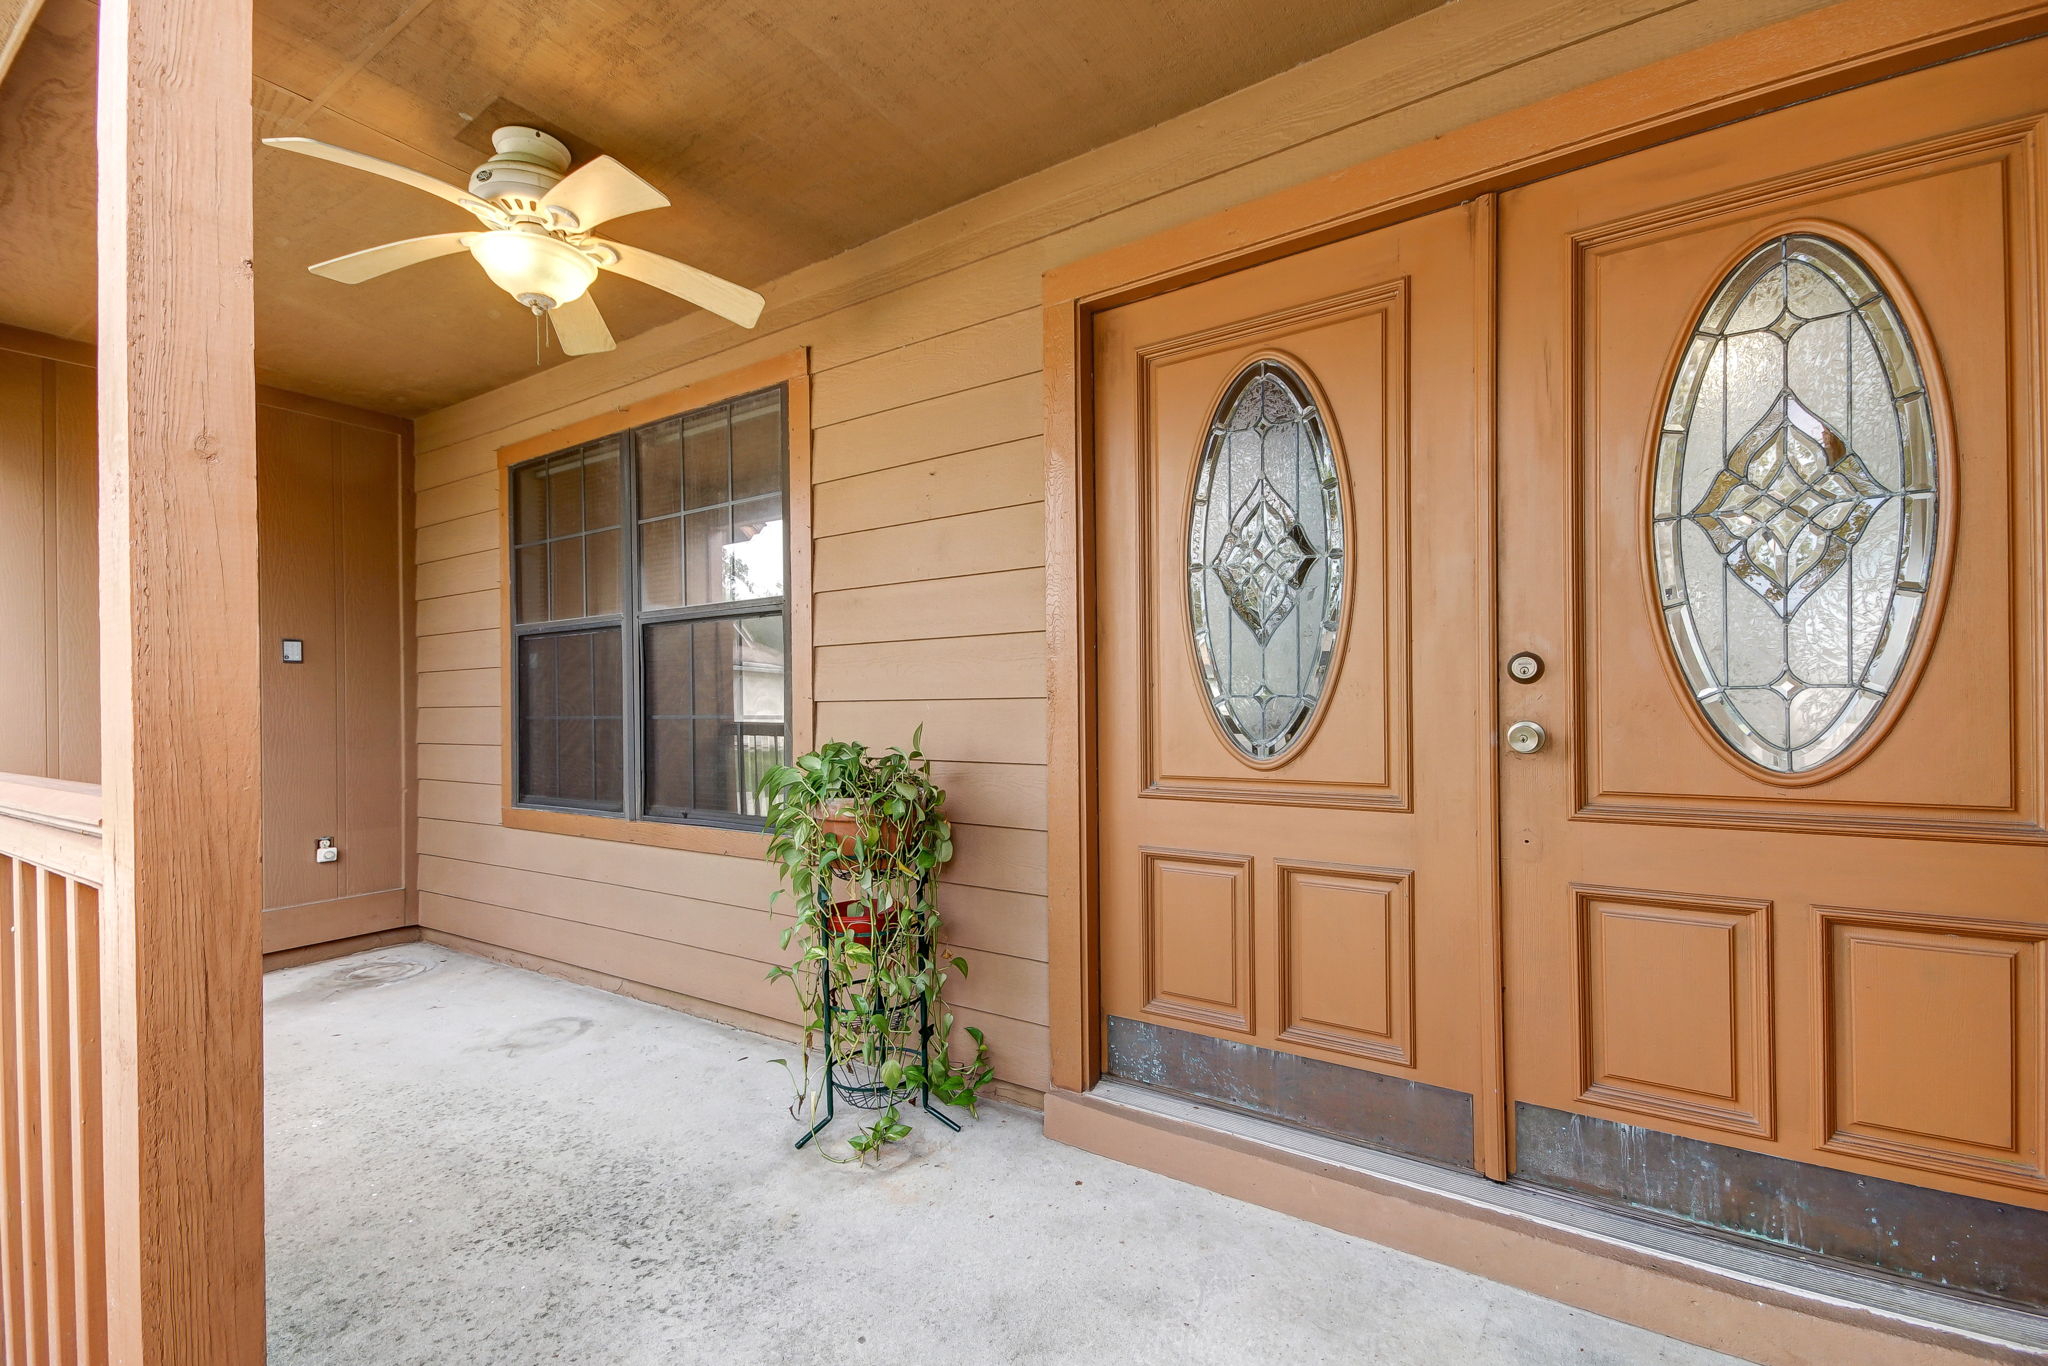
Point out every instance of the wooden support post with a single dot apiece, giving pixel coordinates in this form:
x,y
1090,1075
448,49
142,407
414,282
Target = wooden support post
x,y
181,961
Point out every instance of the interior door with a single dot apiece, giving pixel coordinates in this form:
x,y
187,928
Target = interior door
x,y
1296,860
1771,516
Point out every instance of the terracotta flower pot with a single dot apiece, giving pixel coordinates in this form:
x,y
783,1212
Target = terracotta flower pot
x,y
851,917
848,830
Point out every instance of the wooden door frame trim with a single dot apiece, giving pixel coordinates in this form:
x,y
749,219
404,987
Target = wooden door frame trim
x,y
1828,50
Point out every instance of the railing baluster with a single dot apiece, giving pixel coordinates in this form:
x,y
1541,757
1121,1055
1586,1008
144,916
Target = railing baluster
x,y
88,1213
28,888
12,1170
59,1119
52,1225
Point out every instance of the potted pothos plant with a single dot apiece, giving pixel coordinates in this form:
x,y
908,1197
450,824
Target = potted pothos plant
x,y
858,838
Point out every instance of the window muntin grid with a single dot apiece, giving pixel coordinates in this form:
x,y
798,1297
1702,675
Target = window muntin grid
x,y
599,537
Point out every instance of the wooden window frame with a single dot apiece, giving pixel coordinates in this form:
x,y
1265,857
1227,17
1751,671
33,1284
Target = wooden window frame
x,y
791,370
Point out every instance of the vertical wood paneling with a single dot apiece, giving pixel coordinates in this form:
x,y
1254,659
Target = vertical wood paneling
x,y
74,576
333,519
330,495
301,756
52,1232
368,487
23,475
48,560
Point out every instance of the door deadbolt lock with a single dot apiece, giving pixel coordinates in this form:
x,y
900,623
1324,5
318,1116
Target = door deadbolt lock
x,y
1526,737
1525,667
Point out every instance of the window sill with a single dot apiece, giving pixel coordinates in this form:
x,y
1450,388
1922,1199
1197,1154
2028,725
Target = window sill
x,y
701,839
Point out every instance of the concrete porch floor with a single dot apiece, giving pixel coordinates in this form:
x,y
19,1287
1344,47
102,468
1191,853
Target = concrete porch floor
x,y
475,1165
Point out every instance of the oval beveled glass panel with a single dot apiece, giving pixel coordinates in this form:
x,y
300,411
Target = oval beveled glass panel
x,y
1793,504
1265,561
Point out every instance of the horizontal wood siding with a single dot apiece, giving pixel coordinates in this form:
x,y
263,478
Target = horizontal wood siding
x,y
928,484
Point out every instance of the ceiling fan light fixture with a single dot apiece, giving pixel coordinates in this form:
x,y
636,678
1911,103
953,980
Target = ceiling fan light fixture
x,y
538,215
539,271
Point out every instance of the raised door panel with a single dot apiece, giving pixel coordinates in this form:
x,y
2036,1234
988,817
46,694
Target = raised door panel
x,y
1347,966
1198,938
1674,1003
1933,1031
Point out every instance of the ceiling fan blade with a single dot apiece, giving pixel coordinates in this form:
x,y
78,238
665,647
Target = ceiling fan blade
x,y
390,170
603,189
359,266
580,327
722,297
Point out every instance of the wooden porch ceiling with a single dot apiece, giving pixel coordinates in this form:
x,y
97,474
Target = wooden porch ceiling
x,y
784,131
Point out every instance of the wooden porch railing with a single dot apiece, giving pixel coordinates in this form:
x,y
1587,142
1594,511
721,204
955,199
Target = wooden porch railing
x,y
52,1234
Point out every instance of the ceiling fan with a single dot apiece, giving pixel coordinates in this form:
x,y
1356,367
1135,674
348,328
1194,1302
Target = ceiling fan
x,y
537,244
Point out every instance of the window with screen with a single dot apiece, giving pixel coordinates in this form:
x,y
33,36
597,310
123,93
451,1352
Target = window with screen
x,y
649,615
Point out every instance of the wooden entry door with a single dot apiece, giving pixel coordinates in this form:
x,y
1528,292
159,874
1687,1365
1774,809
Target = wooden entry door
x,y
1771,515
1291,540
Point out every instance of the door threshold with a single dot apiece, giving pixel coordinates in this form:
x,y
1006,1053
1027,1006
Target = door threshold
x,y
1732,1296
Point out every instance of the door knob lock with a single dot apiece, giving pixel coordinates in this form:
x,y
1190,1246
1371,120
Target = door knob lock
x,y
1526,737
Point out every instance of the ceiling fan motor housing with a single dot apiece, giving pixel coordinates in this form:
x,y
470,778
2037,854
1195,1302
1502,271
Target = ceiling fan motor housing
x,y
528,163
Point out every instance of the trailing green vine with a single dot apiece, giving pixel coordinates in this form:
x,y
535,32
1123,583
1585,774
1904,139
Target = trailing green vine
x,y
869,831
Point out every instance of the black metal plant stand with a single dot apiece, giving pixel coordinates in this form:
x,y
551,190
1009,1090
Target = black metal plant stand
x,y
874,1095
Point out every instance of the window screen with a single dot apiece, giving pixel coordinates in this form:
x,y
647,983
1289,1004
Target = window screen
x,y
648,591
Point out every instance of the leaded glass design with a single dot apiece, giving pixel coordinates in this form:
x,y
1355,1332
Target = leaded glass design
x,y
1794,504
1265,559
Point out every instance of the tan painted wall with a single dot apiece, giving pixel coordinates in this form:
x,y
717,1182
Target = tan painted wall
x,y
332,507
925,349
49,563
332,511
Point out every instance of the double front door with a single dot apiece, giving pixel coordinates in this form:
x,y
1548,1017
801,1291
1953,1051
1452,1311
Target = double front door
x,y
1571,667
